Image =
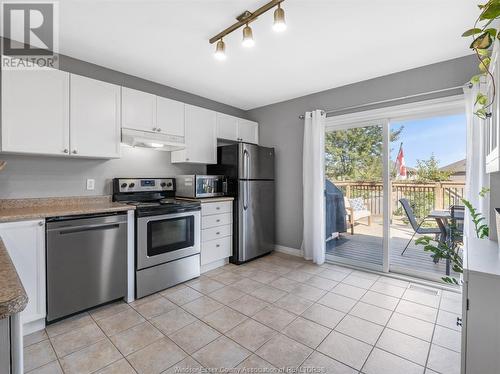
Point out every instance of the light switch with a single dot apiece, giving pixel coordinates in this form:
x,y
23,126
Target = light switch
x,y
90,184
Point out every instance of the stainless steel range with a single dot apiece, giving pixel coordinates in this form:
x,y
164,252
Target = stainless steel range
x,y
167,233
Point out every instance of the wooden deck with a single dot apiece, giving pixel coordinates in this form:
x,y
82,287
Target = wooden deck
x,y
366,246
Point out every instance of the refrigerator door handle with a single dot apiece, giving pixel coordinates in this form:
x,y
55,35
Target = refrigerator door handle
x,y
245,196
246,163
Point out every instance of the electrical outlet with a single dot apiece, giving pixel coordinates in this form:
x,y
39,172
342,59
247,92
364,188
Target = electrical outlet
x,y
90,184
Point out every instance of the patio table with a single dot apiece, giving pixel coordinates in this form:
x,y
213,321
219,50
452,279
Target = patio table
x,y
442,217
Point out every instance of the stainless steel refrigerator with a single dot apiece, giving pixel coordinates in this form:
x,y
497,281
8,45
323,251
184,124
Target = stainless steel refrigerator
x,y
250,172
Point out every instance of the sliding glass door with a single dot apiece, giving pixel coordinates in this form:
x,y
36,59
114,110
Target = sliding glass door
x,y
428,159
390,181
355,199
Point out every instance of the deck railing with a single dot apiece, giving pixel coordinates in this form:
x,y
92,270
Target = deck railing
x,y
424,197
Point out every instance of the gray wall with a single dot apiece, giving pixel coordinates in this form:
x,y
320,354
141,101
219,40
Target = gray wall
x,y
281,128
40,176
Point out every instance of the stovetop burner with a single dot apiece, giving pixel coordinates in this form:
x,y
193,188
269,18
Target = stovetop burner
x,y
153,196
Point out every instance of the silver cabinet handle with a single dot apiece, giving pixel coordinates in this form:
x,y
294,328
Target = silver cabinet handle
x,y
158,129
218,220
217,245
155,129
65,150
217,233
75,151
187,159
40,223
217,208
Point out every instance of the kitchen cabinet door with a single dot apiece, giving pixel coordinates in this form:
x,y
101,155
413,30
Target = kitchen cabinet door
x,y
25,243
95,118
169,116
138,110
35,111
201,137
248,131
227,127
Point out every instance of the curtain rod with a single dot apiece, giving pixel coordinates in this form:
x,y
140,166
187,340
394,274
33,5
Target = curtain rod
x,y
329,113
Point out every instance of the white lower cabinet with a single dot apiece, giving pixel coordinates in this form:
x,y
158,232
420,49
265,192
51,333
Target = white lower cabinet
x,y
216,233
25,242
480,308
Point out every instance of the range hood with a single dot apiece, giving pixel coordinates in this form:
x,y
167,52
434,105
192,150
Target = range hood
x,y
146,139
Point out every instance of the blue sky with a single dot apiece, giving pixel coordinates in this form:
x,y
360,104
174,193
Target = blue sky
x,y
444,136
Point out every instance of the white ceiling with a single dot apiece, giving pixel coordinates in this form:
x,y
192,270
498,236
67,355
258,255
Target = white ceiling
x,y
328,43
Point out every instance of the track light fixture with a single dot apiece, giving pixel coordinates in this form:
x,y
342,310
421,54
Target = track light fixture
x,y
248,37
244,19
220,50
279,19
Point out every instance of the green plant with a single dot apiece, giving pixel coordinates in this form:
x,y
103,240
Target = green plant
x,y
483,39
442,250
450,250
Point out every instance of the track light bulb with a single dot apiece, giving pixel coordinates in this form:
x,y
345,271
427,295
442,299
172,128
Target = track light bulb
x,y
279,19
247,37
220,51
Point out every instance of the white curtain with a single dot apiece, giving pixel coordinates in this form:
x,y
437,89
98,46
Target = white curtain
x,y
313,181
476,177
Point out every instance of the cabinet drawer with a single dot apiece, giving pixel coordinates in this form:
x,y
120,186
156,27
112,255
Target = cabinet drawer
x,y
216,208
216,220
217,249
216,232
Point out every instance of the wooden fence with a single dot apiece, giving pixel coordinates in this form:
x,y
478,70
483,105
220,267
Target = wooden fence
x,y
424,197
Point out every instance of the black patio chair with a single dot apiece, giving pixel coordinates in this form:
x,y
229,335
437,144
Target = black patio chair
x,y
417,229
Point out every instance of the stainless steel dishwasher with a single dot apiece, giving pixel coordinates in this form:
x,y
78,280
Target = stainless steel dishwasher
x,y
86,262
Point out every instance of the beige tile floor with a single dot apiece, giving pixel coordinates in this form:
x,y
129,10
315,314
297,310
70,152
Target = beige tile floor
x,y
275,312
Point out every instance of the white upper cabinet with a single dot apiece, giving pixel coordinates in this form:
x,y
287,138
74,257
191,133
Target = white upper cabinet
x,y
201,137
95,118
227,127
138,110
35,111
169,116
248,131
237,129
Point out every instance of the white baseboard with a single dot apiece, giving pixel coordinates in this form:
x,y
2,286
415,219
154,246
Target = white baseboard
x,y
33,326
289,250
214,265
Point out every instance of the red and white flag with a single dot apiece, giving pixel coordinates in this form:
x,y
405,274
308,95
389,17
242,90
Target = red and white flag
x,y
400,164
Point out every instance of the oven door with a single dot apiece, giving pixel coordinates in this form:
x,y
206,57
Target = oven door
x,y
167,238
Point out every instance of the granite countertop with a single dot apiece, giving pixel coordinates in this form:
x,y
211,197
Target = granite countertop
x,y
208,199
13,298
36,208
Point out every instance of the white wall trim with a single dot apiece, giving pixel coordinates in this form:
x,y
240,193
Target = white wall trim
x,y
441,106
289,250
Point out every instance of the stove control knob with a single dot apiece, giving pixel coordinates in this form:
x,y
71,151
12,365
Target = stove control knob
x,y
163,184
169,184
124,185
132,185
